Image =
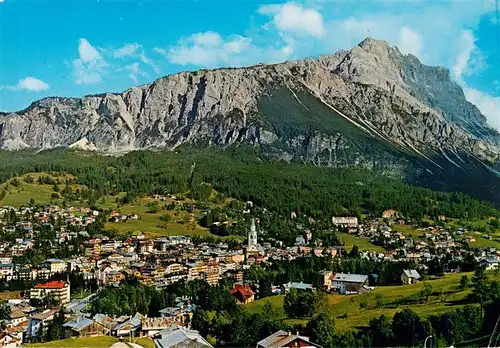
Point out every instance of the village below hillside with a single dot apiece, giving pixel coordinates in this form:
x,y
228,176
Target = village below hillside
x,y
58,264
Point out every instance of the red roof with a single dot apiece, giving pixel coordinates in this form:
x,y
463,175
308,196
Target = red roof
x,y
53,284
243,289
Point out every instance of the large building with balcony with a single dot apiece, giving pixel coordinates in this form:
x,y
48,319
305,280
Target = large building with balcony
x,y
59,289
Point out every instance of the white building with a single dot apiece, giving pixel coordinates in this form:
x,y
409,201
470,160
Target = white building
x,y
57,288
345,221
348,283
55,265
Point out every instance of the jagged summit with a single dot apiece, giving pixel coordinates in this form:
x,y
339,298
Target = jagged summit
x,y
369,106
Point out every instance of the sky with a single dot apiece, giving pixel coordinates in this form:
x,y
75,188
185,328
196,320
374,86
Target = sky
x,y
77,47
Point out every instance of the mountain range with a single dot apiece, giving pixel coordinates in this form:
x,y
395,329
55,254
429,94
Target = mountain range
x,y
370,106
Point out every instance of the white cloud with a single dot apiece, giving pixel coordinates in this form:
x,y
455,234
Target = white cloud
x,y
489,105
29,83
160,51
32,84
287,50
410,41
294,18
87,52
462,60
207,50
464,63
127,50
90,65
417,27
211,50
148,61
94,63
87,74
135,71
208,38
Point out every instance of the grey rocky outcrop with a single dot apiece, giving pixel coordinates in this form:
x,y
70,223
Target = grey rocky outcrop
x,y
373,88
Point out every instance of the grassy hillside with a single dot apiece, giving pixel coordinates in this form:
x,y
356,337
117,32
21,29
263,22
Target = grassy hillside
x,y
244,173
363,244
92,342
84,342
18,192
387,300
180,222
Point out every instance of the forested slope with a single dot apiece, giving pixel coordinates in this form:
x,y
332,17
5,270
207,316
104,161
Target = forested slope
x,y
240,172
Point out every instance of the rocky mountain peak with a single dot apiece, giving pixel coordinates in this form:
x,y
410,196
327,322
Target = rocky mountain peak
x,y
368,106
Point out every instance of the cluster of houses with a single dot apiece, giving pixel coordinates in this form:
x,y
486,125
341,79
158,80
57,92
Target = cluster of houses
x,y
162,261
422,245
27,323
171,328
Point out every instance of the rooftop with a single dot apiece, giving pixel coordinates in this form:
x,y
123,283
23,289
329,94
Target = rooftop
x,y
352,278
53,284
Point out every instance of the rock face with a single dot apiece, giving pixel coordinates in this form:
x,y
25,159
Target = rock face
x,y
370,106
83,144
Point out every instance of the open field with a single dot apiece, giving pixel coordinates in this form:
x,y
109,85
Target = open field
x,y
80,294
407,230
363,244
9,295
485,243
180,222
387,300
92,342
82,342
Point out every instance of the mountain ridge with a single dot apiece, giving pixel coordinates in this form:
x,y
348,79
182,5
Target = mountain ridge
x,y
370,106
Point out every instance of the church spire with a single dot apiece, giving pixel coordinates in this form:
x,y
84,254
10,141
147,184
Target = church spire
x,y
252,234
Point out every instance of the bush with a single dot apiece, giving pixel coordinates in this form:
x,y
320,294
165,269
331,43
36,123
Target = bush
x,y
165,218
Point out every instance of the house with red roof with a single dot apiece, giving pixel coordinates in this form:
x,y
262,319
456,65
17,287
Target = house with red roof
x,y
242,293
59,289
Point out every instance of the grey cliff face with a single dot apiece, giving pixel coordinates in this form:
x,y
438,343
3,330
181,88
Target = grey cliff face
x,y
331,112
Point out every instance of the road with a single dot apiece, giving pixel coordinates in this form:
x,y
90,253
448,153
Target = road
x,y
76,306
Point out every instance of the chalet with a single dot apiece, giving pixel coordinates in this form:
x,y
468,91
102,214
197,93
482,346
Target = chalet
x,y
348,283
107,322
236,274
17,316
286,339
490,263
390,214
242,293
128,326
6,271
84,327
179,336
410,276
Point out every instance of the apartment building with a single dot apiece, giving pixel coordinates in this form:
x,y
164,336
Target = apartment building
x,y
55,265
57,288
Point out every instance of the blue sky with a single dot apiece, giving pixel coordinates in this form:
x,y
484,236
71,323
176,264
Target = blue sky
x,y
78,47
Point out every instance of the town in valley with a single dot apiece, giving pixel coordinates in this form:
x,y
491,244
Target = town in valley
x,y
56,262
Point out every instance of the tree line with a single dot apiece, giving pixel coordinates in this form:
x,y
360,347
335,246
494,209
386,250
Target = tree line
x,y
241,172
